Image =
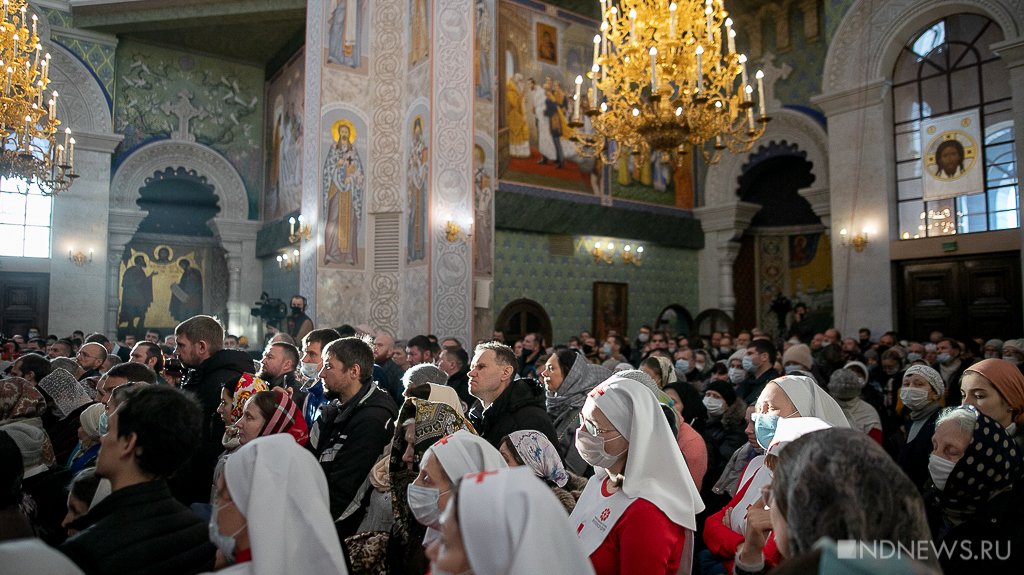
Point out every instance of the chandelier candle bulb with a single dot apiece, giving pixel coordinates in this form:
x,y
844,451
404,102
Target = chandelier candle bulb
x,y
672,21
743,72
576,104
597,48
730,35
632,25
604,35
654,69
760,89
34,20
71,153
700,70
707,12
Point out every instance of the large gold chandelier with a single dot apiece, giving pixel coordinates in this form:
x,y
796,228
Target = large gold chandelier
x,y
28,119
666,76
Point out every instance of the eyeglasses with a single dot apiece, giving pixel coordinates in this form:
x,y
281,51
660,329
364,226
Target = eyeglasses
x,y
85,355
591,427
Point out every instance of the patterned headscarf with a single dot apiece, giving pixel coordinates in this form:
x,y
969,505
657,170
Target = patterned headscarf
x,y
286,418
538,454
20,400
246,385
989,465
65,391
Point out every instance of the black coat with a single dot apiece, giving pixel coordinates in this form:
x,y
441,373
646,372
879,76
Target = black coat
x,y
47,490
913,457
347,439
192,483
140,529
991,541
519,408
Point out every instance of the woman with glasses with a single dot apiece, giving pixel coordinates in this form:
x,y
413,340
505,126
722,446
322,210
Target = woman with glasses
x,y
637,513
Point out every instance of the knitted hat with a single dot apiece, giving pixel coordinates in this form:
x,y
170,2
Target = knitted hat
x,y
859,365
930,375
738,355
800,354
90,420
723,388
844,384
30,441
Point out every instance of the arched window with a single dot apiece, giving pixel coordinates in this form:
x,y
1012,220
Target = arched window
x,y
949,69
25,218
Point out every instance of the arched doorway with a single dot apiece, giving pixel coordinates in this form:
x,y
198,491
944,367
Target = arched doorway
x,y
712,320
675,320
521,317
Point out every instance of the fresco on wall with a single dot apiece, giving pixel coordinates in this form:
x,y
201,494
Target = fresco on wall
x,y
483,206
163,93
419,35
483,72
348,34
343,188
418,181
810,274
284,154
160,285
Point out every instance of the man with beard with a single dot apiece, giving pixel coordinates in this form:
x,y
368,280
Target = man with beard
x,y
277,369
352,430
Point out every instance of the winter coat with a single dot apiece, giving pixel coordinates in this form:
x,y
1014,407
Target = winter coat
x,y
519,408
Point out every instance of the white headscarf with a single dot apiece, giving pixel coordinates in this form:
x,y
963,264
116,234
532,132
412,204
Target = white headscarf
x,y
65,391
655,468
462,452
445,394
281,490
791,429
512,524
811,400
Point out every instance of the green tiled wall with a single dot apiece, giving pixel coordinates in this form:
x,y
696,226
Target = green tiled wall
x,y
523,268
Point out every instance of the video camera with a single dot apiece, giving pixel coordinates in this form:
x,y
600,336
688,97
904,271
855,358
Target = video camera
x,y
271,310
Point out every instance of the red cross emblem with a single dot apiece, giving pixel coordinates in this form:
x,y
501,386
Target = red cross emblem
x,y
482,475
578,529
605,514
443,441
597,391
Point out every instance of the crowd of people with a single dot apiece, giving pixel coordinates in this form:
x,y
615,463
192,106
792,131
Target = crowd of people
x,y
346,451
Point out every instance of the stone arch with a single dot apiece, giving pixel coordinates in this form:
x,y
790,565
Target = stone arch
x,y
156,156
788,125
81,105
871,34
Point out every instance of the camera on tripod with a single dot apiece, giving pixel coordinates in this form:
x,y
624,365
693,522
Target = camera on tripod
x,y
270,310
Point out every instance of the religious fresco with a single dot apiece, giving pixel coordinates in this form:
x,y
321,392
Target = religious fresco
x,y
348,34
163,93
160,285
419,31
283,189
810,272
483,206
343,144
418,181
483,48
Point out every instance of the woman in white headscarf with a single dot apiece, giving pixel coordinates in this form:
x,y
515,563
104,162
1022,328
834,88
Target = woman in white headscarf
x,y
506,522
274,514
441,467
638,512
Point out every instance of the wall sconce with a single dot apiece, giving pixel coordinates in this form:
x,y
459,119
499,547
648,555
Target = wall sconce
x,y
603,256
859,241
303,232
79,258
287,263
631,256
453,231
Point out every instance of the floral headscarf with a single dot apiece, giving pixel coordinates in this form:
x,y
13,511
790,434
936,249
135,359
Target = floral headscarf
x,y
20,400
539,455
246,385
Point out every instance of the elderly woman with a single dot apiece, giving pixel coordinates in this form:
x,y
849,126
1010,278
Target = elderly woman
x,y
638,512
818,491
66,399
273,513
88,447
269,412
845,386
976,502
921,394
388,539
568,378
996,388
506,522
532,449
442,465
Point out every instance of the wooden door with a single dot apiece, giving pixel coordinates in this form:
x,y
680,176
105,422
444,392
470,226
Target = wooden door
x,y
24,302
962,297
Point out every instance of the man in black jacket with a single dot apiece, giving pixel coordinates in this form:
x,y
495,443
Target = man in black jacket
x,y
139,527
505,405
352,430
199,342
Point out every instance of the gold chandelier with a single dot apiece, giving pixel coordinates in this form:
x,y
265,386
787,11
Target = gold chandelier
x,y
28,120
666,76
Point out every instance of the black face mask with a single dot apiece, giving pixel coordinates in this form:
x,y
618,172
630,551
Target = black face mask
x,y
296,310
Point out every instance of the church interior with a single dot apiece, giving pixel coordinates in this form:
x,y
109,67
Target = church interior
x,y
455,167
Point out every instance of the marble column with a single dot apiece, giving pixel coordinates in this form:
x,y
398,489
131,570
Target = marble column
x,y
723,227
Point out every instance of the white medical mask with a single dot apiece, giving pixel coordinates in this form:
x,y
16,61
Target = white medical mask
x,y
423,502
943,357
737,375
607,349
748,363
683,365
1011,358
591,449
725,350
226,543
792,368
940,468
914,397
913,356
826,342
643,337
714,405
310,370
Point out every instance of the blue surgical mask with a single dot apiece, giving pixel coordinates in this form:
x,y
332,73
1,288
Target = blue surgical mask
x,y
683,365
748,363
764,427
792,368
104,423
943,357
